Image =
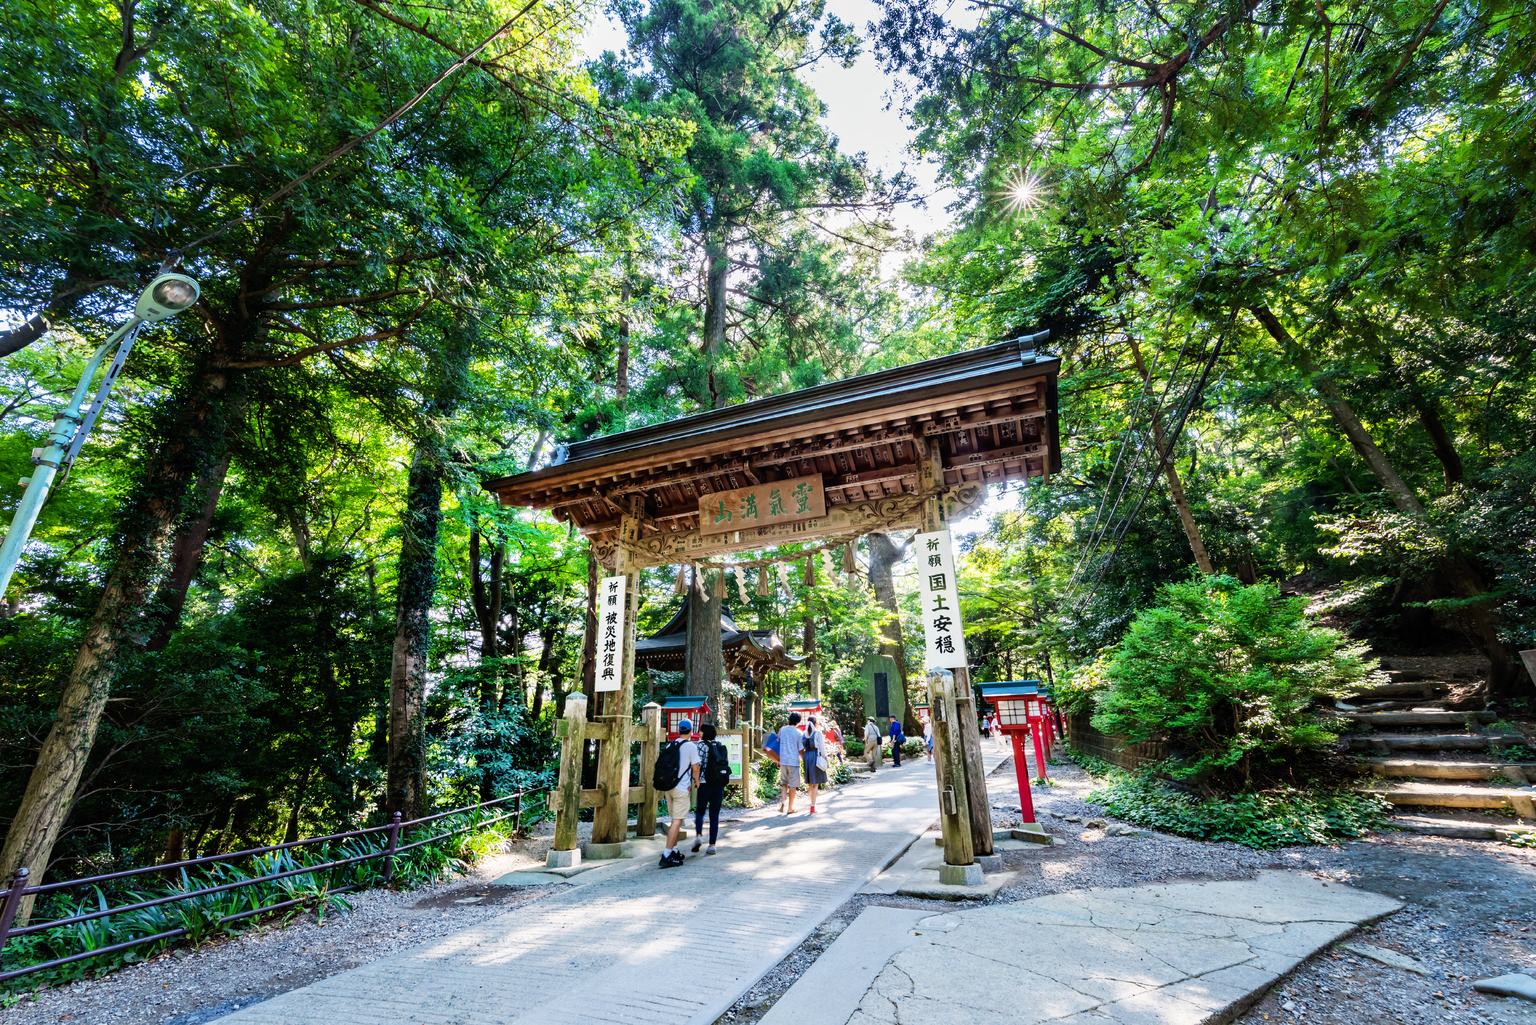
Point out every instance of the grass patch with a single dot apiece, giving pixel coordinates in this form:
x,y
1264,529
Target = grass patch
x,y
1280,817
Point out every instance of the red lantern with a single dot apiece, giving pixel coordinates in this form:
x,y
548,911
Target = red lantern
x,y
675,710
1020,711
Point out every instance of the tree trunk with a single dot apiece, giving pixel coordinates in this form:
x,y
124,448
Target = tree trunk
x,y
589,639
194,427
716,281
812,657
413,635
1482,618
701,665
486,599
883,557
1175,486
187,553
621,372
1429,416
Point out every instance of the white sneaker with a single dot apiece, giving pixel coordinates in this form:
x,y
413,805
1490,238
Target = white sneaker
x,y
710,849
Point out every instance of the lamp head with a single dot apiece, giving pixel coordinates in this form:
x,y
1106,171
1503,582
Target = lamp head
x,y
167,296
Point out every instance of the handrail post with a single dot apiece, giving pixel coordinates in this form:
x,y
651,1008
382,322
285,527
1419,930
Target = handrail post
x,y
12,902
389,857
517,814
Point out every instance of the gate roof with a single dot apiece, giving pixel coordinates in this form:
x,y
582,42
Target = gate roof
x,y
993,411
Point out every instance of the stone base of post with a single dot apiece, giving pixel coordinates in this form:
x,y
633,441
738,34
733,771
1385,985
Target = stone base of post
x,y
562,859
960,875
604,851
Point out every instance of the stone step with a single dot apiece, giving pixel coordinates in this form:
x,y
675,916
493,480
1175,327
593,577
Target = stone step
x,y
1440,795
1427,769
1404,675
1397,690
1418,718
1456,830
1419,742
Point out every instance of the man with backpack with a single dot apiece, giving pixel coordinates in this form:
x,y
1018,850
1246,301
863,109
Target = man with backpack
x,y
677,767
898,738
713,779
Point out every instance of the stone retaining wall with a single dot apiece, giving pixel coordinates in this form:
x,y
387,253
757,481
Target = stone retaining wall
x,y
1114,750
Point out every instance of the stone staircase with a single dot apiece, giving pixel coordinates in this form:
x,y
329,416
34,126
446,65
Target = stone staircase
x,y
1450,772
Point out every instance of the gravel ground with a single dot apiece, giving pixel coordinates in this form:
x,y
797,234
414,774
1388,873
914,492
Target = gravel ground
x,y
1469,913
189,987
1469,917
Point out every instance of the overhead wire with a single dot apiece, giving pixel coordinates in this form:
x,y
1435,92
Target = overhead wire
x,y
1192,400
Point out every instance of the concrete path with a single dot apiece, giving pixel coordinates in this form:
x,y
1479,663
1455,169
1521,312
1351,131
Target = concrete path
x,y
1165,954
634,943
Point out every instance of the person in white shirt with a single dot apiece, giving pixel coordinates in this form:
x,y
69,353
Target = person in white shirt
x,y
677,798
791,740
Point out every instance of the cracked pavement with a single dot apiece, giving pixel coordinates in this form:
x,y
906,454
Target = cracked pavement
x,y
1170,954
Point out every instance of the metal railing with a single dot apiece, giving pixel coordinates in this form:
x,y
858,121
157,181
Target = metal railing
x,y
10,899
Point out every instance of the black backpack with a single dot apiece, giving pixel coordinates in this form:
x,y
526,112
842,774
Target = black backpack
x,y
717,771
668,771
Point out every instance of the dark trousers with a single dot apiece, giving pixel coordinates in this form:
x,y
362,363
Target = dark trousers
x,y
895,751
708,797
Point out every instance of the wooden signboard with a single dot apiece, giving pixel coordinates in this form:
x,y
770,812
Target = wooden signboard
x,y
780,501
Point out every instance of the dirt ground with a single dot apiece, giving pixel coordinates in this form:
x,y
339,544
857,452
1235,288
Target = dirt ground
x,y
1470,914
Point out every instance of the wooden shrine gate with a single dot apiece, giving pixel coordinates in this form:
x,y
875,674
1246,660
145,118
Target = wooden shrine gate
x,y
908,448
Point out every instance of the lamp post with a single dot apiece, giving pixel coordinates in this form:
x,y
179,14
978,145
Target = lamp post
x,y
165,297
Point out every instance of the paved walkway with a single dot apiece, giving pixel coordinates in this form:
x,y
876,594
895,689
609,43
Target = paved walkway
x,y
637,944
1161,954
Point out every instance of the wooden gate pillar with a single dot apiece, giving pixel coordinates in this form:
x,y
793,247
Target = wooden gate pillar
x,y
967,728
567,793
610,820
650,746
949,763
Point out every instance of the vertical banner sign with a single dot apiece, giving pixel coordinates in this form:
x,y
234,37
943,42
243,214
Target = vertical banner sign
x,y
940,592
611,607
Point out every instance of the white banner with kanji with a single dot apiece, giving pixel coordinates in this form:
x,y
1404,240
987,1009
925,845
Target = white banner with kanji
x,y
940,594
610,633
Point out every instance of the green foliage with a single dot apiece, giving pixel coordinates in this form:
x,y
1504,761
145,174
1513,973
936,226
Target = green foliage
x,y
854,748
1227,674
1093,765
767,788
842,774
202,915
1277,817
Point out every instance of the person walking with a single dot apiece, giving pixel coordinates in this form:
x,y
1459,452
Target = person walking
x,y
677,763
928,737
714,775
872,744
791,740
897,739
815,755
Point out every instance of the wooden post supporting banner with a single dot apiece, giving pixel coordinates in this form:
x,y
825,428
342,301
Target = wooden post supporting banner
x,y
966,729
650,746
949,765
567,796
610,822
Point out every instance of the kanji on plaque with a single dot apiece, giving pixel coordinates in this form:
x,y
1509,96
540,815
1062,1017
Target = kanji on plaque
x,y
939,591
762,505
611,607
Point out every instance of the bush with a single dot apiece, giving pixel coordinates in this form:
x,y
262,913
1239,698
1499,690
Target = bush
x,y
854,748
1227,673
1273,818
912,748
842,775
767,781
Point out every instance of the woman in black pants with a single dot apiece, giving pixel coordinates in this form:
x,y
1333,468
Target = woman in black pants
x,y
708,796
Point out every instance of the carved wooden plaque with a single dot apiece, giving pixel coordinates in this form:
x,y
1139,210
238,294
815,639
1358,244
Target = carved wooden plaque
x,y
780,501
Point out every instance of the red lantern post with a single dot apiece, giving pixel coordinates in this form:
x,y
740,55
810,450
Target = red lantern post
x,y
1017,706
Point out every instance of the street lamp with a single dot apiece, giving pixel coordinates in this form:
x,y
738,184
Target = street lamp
x,y
165,297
